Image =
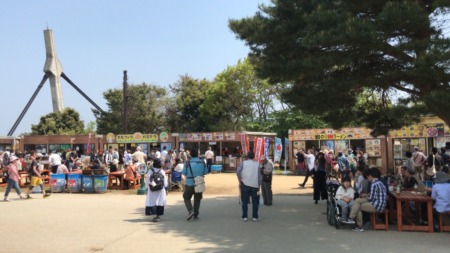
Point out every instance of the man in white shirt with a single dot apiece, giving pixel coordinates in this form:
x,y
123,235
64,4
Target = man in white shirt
x,y
164,154
419,160
54,161
209,155
249,176
139,156
310,161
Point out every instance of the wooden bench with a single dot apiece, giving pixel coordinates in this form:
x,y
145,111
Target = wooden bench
x,y
380,226
134,183
442,226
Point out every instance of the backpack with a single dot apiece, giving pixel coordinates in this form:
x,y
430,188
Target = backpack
x,y
156,181
6,159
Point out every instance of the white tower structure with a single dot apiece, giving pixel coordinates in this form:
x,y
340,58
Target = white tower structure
x,y
53,69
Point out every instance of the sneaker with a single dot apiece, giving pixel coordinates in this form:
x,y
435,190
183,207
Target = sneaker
x,y
301,185
28,197
358,229
351,221
367,225
244,219
196,218
23,197
156,219
190,215
6,200
343,220
256,219
46,195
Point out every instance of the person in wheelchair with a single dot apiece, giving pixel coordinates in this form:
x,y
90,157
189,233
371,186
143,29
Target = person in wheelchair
x,y
345,195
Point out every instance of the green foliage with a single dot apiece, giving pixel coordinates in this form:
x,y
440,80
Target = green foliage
x,y
65,123
184,114
146,110
332,52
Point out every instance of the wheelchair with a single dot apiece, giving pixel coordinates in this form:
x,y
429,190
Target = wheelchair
x,y
333,209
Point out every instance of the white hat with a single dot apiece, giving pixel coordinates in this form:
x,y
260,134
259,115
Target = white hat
x,y
39,155
13,158
115,161
158,154
263,157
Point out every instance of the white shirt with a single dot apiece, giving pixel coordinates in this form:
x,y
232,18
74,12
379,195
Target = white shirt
x,y
209,154
164,155
345,193
54,159
310,159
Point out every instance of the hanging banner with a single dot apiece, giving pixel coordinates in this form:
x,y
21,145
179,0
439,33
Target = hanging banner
x,y
278,150
88,149
244,143
286,149
259,148
266,147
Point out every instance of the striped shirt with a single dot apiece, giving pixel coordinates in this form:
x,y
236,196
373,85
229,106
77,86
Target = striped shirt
x,y
377,196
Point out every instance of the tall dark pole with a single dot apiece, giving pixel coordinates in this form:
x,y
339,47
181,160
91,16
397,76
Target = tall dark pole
x,y
125,102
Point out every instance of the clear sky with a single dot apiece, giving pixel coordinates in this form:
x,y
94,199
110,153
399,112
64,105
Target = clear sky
x,y
156,41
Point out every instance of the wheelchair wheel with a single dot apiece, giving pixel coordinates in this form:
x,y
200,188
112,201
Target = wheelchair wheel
x,y
337,223
332,214
328,213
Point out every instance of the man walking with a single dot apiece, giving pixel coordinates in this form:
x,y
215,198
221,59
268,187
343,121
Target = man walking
x,y
266,184
54,160
310,160
195,167
249,177
209,155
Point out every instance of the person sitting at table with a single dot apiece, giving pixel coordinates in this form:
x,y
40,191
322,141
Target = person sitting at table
x,y
441,194
62,169
76,168
95,165
409,180
178,165
375,202
113,167
130,173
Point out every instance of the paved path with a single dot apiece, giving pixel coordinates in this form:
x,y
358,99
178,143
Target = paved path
x,y
115,223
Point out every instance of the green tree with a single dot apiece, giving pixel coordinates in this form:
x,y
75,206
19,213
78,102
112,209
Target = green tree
x,y
66,122
237,98
333,52
146,110
184,113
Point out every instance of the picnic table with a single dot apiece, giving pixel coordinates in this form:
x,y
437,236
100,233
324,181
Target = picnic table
x,y
119,177
401,201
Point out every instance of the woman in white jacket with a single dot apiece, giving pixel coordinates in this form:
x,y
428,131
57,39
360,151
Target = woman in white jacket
x,y
345,195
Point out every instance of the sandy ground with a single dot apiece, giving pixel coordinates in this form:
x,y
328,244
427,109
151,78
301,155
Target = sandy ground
x,y
114,222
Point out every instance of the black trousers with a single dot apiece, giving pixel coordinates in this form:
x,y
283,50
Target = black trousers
x,y
308,173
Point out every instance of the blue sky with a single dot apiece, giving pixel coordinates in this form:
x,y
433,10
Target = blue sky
x,y
156,41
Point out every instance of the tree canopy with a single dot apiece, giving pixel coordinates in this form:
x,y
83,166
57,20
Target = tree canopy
x,y
65,123
146,109
380,63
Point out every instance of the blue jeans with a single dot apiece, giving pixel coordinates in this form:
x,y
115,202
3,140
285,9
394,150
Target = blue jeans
x,y
247,191
12,183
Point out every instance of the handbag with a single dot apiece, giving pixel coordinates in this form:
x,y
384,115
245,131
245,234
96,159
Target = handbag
x,y
431,171
199,181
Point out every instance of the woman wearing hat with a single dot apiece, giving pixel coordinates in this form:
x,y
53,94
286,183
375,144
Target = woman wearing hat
x,y
113,167
13,178
156,200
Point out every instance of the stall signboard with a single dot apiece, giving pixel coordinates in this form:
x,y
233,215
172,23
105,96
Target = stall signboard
x,y
231,136
421,130
278,150
136,138
266,147
219,136
329,134
164,136
244,143
398,154
208,136
373,147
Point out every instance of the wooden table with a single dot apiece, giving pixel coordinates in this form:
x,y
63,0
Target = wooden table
x,y
403,214
117,175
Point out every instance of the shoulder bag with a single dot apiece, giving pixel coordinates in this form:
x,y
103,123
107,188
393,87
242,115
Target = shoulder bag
x,y
199,182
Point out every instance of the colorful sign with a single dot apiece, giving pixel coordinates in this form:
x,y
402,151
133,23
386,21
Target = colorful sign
x,y
244,143
110,138
164,137
286,149
329,134
421,130
266,147
230,136
278,150
136,138
208,136
258,148
72,182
